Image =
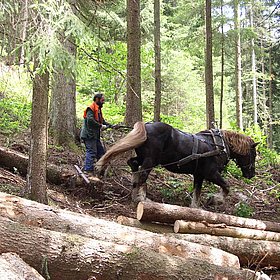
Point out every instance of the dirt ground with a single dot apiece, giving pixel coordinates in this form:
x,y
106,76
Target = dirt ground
x,y
257,198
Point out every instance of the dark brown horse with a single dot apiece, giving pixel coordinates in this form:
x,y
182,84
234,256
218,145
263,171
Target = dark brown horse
x,y
204,155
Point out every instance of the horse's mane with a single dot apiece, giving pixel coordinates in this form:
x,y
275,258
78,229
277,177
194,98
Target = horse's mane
x,y
238,143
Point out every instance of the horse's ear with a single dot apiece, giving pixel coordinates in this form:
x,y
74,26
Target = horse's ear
x,y
254,145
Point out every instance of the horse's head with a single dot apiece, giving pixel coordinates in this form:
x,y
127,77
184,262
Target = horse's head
x,y
247,162
243,150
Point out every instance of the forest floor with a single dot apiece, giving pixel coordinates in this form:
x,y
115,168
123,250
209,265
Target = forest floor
x,y
257,198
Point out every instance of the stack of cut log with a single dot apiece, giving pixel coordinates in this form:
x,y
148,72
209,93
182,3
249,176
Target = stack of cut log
x,y
65,245
255,242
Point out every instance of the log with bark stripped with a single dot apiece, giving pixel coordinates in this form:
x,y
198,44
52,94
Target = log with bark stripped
x,y
39,215
69,256
166,213
181,226
12,267
250,252
153,227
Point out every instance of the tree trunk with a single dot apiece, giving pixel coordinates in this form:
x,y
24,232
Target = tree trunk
x,y
68,256
238,69
153,227
38,215
133,97
270,130
63,102
181,226
36,177
222,64
23,32
166,213
210,115
250,252
10,159
157,61
12,267
254,79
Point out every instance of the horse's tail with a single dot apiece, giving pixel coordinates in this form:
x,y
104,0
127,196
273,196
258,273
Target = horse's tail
x,y
132,140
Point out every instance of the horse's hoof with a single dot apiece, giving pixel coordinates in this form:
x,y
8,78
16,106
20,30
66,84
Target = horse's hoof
x,y
215,200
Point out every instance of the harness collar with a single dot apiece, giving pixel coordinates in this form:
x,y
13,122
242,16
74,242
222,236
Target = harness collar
x,y
218,141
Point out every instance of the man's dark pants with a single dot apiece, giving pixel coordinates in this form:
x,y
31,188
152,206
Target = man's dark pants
x,y
94,151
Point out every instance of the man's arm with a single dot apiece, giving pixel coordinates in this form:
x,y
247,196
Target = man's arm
x,y
91,122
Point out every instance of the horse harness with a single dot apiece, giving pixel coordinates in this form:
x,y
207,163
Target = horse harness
x,y
217,139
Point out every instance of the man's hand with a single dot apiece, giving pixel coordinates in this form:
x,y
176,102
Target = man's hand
x,y
103,127
115,126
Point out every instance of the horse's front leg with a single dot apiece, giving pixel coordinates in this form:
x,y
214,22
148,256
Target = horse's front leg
x,y
197,191
139,186
220,197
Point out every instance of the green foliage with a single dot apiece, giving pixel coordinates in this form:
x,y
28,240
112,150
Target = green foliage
x,y
175,121
102,69
233,169
276,191
243,210
15,105
176,193
267,157
14,115
11,189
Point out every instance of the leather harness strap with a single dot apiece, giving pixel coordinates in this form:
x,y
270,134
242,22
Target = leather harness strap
x,y
220,147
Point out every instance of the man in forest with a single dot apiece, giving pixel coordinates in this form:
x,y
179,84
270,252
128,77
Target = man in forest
x,y
90,133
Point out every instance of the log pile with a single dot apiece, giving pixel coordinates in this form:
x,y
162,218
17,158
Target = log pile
x,y
255,242
77,246
12,267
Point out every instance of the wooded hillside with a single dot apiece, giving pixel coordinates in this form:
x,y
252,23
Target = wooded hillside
x,y
91,70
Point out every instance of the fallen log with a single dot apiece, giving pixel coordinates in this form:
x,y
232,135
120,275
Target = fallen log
x,y
39,215
70,256
166,213
250,252
153,227
181,226
12,159
12,267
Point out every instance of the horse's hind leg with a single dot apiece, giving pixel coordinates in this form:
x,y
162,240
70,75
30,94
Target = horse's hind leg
x,y
134,164
196,192
139,181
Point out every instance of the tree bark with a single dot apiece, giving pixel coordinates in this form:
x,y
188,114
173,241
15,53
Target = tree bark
x,y
210,115
254,78
133,97
153,227
157,61
222,63
68,256
181,226
250,252
166,213
36,178
23,32
12,267
63,101
11,159
238,69
38,215
270,97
